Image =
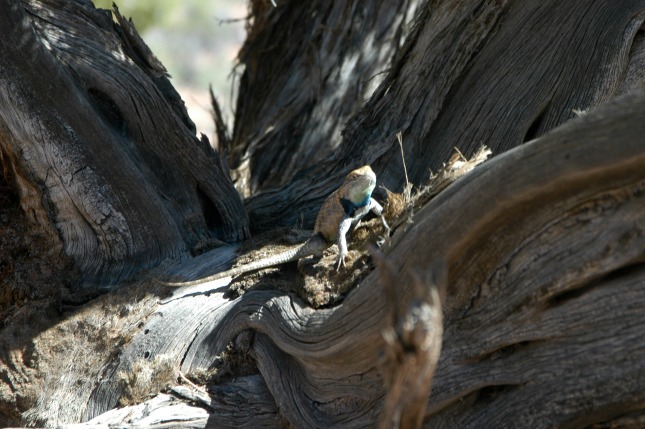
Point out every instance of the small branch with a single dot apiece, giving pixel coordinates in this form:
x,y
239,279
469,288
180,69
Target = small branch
x,y
413,343
224,139
407,190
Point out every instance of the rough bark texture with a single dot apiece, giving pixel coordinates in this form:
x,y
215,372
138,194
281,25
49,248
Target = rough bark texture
x,y
101,148
542,246
545,304
333,55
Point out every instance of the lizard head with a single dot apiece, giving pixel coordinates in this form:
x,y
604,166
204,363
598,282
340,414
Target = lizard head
x,y
358,185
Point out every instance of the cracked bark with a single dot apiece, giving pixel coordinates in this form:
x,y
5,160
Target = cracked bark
x,y
103,152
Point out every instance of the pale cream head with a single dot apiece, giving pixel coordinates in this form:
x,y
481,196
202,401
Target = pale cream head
x,y
359,184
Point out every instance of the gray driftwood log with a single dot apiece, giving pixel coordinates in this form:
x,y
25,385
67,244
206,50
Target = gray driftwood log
x,y
544,306
539,251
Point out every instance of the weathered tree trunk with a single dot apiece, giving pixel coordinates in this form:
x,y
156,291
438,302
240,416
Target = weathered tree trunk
x,y
332,56
100,146
477,72
538,252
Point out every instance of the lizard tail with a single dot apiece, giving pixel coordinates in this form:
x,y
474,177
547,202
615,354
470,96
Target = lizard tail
x,y
314,246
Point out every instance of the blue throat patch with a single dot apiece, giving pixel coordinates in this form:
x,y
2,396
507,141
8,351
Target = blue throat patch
x,y
349,207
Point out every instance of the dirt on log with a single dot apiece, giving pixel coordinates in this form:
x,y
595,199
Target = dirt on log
x,y
529,270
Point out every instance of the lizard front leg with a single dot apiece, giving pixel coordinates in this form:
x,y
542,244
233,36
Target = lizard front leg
x,y
347,222
377,209
343,227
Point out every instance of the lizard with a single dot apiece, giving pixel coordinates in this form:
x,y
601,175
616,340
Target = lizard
x,y
343,209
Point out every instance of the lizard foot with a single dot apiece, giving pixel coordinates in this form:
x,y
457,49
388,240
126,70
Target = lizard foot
x,y
340,262
387,227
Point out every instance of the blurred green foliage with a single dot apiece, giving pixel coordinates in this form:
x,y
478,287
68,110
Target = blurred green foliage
x,y
176,14
143,13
